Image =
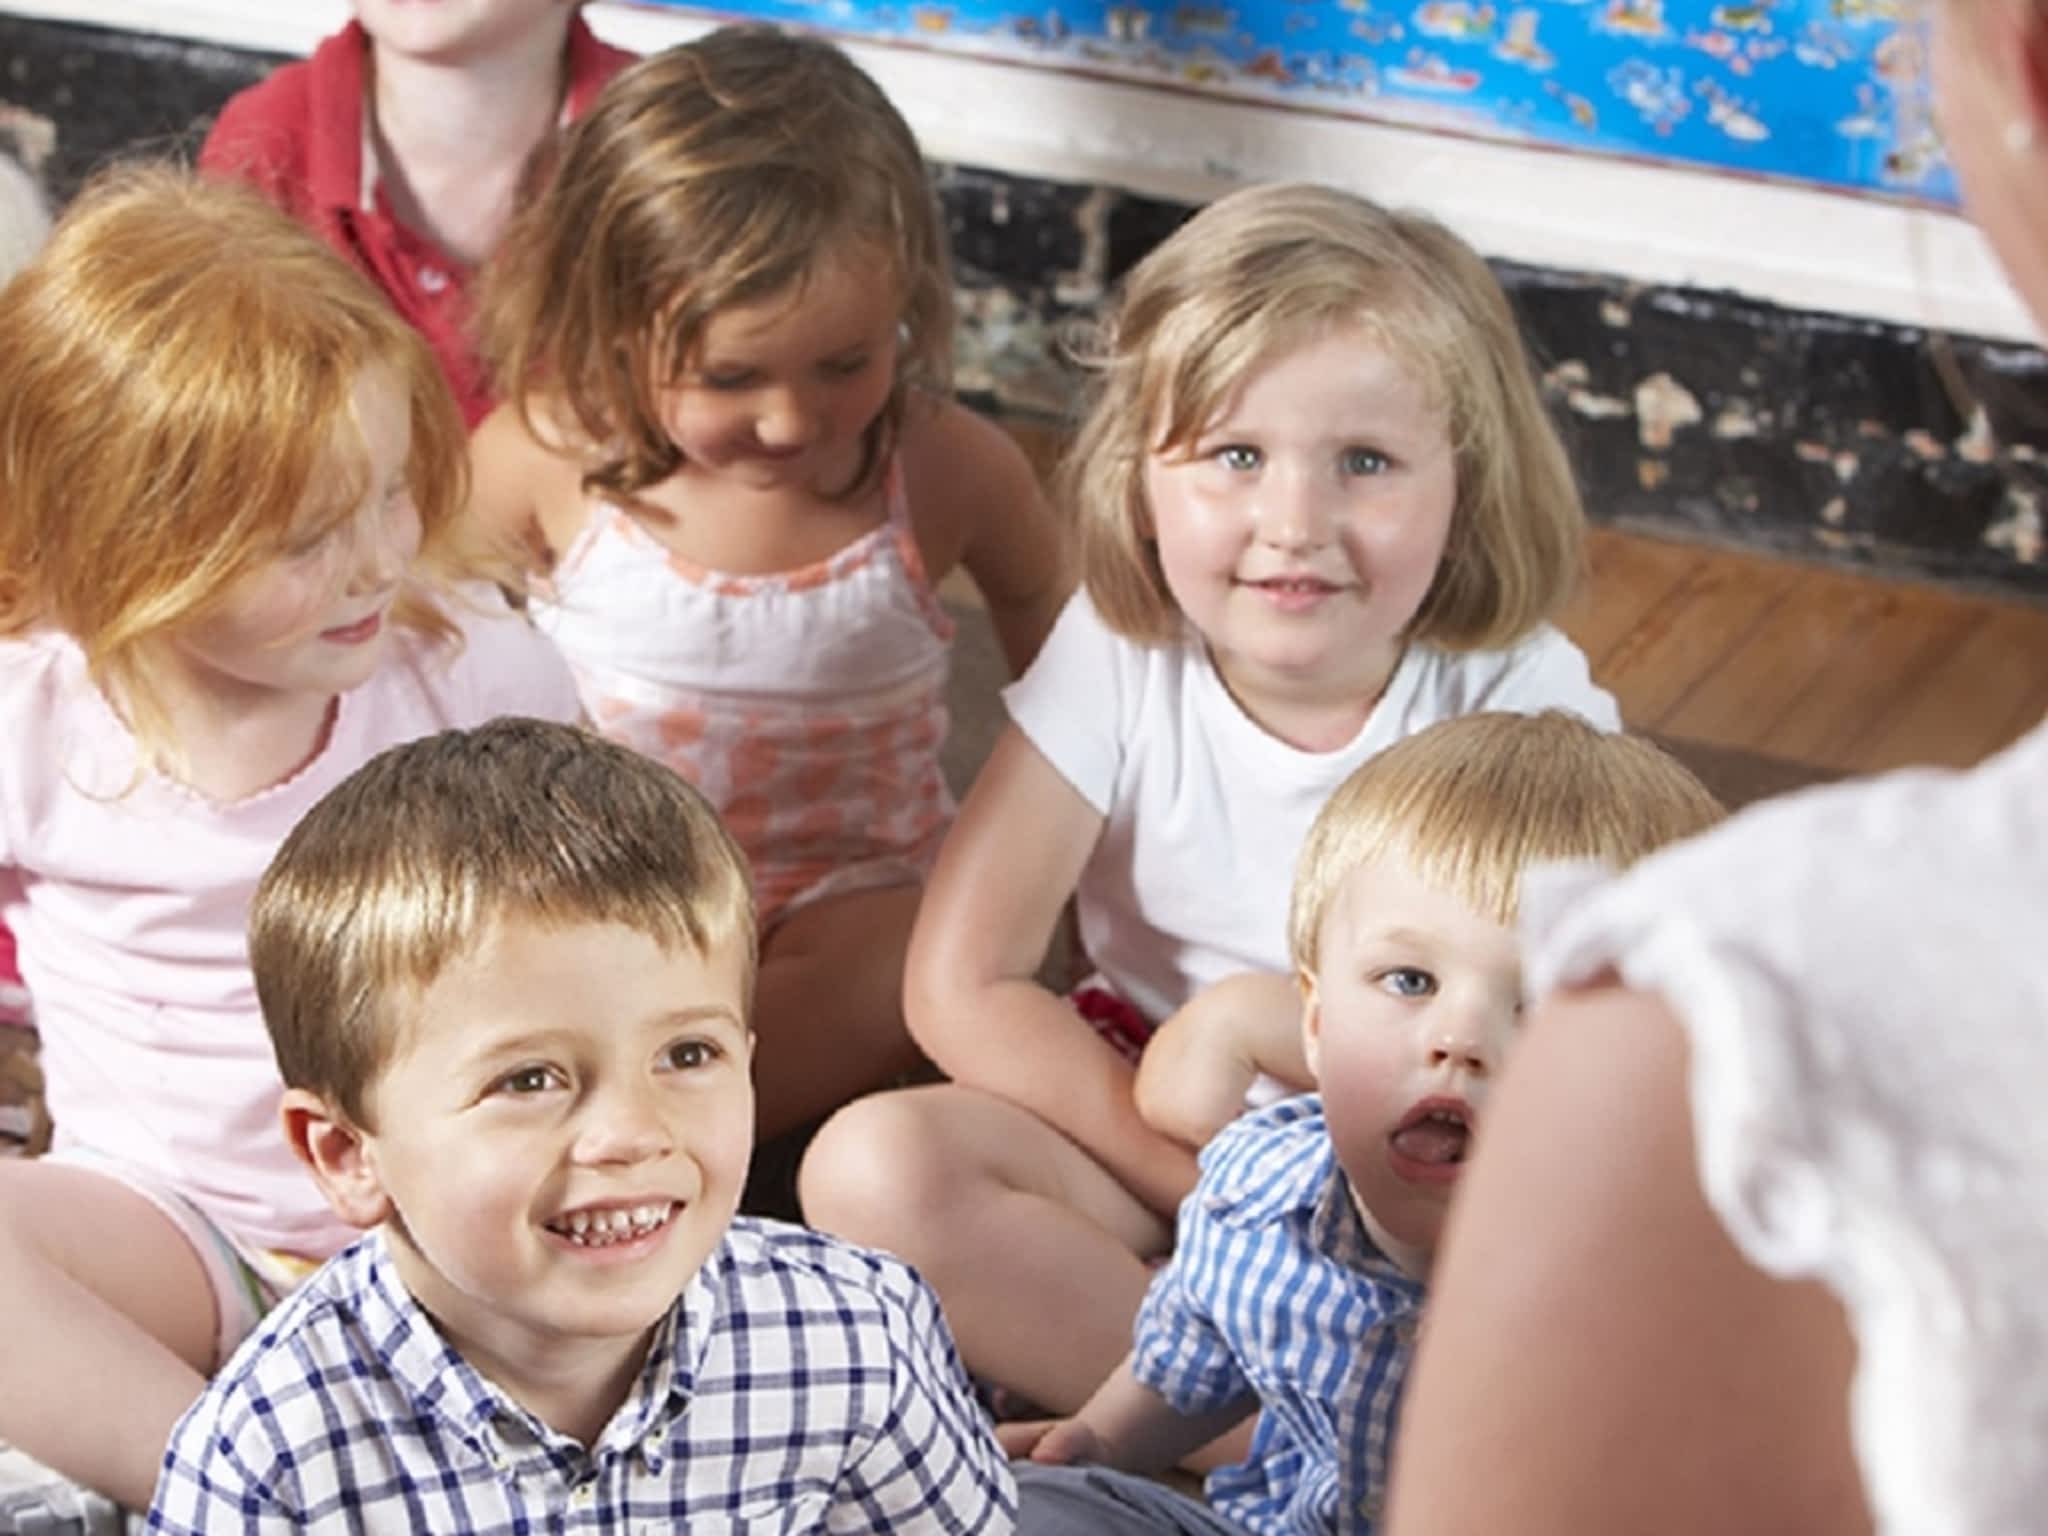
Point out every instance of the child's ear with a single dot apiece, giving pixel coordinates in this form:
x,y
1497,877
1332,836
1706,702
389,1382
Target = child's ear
x,y
1311,1022
339,1157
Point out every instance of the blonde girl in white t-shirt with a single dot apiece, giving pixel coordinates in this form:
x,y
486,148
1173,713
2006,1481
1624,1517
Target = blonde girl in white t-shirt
x,y
1319,506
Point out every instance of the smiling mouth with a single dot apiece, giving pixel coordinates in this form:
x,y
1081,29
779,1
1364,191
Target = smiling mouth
x,y
613,1225
1294,586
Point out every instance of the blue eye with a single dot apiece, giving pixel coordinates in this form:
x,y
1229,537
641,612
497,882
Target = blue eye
x,y
1407,981
1364,461
1238,456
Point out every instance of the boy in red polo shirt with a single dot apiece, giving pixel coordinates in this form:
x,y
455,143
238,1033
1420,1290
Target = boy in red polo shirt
x,y
403,138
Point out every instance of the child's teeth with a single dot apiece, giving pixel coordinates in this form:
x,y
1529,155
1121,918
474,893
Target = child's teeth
x,y
596,1227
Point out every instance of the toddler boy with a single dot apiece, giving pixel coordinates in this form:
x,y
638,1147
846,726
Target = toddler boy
x,y
1296,1284
402,142
507,974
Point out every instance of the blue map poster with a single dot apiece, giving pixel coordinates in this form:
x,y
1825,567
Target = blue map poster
x,y
1829,92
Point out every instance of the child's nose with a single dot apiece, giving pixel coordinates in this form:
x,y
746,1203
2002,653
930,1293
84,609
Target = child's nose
x,y
1294,512
622,1127
789,421
1467,1041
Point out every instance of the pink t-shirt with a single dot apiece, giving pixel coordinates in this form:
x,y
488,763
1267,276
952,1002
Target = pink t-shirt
x,y
130,895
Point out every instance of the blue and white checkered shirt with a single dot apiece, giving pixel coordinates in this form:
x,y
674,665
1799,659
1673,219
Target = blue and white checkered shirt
x,y
798,1384
1275,1288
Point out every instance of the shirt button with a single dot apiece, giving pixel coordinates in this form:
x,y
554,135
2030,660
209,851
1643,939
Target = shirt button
x,y
432,279
583,1493
1369,1506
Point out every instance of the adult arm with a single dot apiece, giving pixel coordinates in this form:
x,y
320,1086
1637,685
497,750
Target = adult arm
x,y
1600,1359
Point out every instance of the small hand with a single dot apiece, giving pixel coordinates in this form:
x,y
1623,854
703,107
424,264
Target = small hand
x,y
1055,1442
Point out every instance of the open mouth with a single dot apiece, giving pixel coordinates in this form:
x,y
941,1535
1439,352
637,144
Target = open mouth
x,y
609,1226
1433,1139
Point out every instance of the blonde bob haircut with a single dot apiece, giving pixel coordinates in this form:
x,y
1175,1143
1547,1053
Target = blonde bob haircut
x,y
1266,269
717,173
1470,803
177,378
407,864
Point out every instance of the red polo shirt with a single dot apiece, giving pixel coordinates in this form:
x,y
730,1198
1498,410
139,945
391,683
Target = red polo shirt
x,y
299,137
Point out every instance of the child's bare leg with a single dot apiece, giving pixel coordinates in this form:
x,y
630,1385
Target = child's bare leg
x,y
114,1326
1036,1251
1202,1061
828,1007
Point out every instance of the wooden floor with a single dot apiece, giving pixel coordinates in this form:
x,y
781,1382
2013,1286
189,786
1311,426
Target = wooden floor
x,y
1804,662
1801,662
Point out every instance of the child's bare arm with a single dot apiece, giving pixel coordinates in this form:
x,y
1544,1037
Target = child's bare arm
x,y
511,478
978,501
970,994
1125,1425
1205,1058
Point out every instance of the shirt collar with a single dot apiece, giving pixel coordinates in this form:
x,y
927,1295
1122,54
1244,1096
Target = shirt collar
x,y
432,1374
341,157
1299,1180
339,171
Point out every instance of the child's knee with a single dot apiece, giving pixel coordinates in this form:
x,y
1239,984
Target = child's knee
x,y
879,1171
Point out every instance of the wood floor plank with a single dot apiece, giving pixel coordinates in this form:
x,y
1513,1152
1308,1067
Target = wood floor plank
x,y
1658,663
1905,634
1977,701
1628,577
1741,701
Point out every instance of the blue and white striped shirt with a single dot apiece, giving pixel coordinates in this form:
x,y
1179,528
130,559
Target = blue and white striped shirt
x,y
798,1384
1274,1288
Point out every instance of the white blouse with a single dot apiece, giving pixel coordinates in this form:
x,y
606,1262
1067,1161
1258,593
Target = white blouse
x,y
1863,972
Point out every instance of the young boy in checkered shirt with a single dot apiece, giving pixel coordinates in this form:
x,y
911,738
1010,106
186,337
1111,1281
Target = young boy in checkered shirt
x,y
1297,1278
507,974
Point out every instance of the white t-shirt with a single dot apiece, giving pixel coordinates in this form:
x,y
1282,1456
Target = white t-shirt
x,y
130,894
1205,812
1863,973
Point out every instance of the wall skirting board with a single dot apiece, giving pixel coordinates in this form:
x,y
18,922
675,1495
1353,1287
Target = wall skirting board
x,y
1745,361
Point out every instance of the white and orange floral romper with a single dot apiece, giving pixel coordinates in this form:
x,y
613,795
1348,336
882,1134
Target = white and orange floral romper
x,y
809,706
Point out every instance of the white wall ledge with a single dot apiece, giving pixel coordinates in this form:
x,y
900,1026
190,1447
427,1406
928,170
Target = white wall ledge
x,y
1808,249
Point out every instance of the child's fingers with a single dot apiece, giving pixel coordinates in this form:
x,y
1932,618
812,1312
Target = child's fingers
x,y
1020,1438
1068,1441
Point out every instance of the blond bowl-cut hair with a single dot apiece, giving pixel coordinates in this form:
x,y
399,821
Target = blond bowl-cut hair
x,y
177,402
1469,804
407,864
1270,268
717,173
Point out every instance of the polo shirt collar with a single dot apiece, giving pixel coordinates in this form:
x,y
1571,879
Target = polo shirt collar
x,y
341,162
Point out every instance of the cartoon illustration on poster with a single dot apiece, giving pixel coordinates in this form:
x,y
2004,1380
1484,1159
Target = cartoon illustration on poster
x,y
1822,91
